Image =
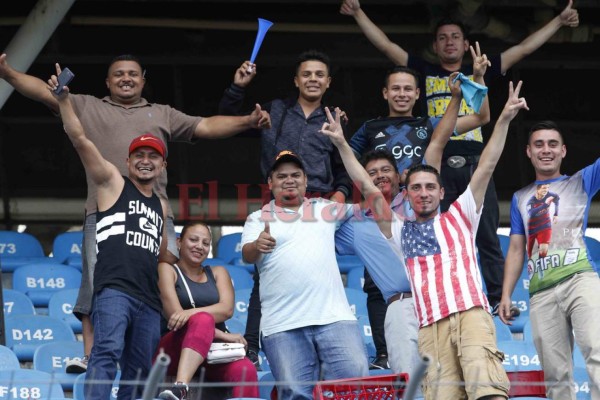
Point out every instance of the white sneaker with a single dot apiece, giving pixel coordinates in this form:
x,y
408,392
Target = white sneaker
x,y
77,366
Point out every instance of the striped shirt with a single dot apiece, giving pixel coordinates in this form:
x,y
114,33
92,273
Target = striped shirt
x,y
441,260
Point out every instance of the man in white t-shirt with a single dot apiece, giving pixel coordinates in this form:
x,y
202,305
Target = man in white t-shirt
x,y
456,329
307,326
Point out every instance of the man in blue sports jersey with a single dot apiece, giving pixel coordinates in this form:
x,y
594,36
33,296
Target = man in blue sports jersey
x,y
564,288
130,238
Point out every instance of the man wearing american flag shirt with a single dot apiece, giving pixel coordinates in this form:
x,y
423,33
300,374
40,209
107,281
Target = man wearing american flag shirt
x,y
456,328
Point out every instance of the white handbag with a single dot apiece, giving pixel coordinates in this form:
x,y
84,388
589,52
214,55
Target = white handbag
x,y
220,353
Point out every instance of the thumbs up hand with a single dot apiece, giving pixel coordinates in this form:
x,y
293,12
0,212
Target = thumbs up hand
x,y
265,242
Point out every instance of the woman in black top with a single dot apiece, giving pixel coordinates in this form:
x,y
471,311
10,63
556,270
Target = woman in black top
x,y
195,309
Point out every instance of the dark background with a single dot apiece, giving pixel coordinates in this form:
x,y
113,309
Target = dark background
x,y
191,49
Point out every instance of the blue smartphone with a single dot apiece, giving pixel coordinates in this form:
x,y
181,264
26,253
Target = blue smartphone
x,y
64,78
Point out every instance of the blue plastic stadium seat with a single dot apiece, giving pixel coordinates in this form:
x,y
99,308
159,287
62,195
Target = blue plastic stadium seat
x,y
216,261
519,355
66,248
29,384
19,248
242,299
364,325
355,278
8,359
17,303
229,248
578,360
236,325
52,358
78,391
582,384
502,331
40,281
357,300
61,306
25,333
527,333
347,262
240,278
265,381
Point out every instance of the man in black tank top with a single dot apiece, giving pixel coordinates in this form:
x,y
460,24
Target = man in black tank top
x,y
129,238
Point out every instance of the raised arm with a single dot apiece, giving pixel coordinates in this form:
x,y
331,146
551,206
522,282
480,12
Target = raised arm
x,y
513,265
568,17
372,194
445,128
233,98
492,151
97,168
29,86
220,126
375,35
473,121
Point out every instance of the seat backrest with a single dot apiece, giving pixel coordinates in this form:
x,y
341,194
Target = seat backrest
x,y
229,247
357,300
52,357
519,355
61,306
235,325
78,391
67,245
18,248
8,359
41,280
355,278
367,334
527,333
16,303
347,262
19,244
24,333
583,388
502,330
240,278
242,299
29,384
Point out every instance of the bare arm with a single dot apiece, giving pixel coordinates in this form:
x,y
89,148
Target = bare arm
x,y
29,86
493,149
469,122
220,126
568,17
97,168
372,194
375,35
445,128
513,266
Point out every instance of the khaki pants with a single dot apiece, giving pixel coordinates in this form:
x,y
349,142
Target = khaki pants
x,y
571,308
465,362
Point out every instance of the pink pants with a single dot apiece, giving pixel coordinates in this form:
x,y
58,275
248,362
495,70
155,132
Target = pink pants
x,y
197,335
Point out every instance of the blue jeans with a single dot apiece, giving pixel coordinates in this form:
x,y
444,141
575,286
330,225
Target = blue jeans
x,y
296,357
126,331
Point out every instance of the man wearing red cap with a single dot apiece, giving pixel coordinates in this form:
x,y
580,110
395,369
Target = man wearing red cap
x,y
130,237
111,123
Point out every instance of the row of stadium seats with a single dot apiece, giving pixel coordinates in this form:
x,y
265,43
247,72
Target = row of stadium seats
x,y
19,248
